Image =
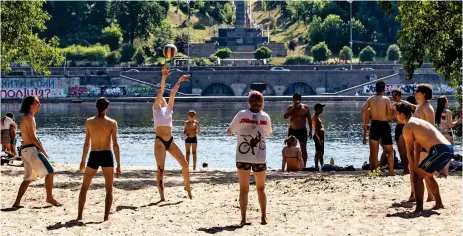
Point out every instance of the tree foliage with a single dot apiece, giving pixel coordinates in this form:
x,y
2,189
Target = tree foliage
x,y
321,52
127,52
92,53
345,53
181,42
139,57
20,42
262,53
111,36
367,54
393,53
223,53
113,58
163,35
434,30
302,60
137,18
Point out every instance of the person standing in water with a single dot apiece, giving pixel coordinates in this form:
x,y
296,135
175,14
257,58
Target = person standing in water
x,y
191,128
164,141
319,134
252,126
100,130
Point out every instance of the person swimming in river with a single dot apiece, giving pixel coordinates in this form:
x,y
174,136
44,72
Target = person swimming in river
x,y
191,128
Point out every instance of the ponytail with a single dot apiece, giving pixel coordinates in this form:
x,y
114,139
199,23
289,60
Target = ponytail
x,y
290,140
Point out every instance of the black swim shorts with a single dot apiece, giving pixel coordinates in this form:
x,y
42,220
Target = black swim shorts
x,y
255,167
191,140
380,130
319,146
398,132
438,157
300,134
100,158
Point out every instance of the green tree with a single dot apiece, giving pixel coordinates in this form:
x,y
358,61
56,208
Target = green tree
x,y
20,20
181,42
316,31
393,53
223,53
139,57
367,54
112,36
127,52
334,32
262,53
321,52
113,58
163,35
137,18
345,53
434,30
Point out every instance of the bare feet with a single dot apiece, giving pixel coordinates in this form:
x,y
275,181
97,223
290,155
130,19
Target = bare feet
x,y
412,198
438,206
243,222
79,218
418,209
17,206
263,220
105,218
54,202
430,198
188,190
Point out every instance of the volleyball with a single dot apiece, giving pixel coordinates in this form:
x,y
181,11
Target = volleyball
x,y
170,50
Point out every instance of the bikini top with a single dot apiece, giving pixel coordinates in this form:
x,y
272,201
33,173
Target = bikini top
x,y
162,116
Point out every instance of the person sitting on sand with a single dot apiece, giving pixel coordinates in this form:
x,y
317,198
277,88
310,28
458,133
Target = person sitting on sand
x,y
164,141
34,156
250,124
8,128
190,129
420,133
292,155
99,131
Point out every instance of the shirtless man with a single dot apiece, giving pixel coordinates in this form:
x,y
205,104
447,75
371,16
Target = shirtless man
x,y
190,129
424,111
319,134
299,115
419,133
381,114
34,156
397,97
99,131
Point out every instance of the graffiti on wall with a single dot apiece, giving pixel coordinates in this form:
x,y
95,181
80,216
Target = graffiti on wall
x,y
142,91
113,91
9,93
82,91
28,83
443,89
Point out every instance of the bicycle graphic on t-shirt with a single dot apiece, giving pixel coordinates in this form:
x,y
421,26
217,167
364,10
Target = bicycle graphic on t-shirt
x,y
251,144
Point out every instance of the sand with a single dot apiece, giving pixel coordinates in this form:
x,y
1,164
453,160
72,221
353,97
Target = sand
x,y
303,203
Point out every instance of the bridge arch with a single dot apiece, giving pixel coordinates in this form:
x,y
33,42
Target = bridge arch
x,y
299,87
217,89
268,91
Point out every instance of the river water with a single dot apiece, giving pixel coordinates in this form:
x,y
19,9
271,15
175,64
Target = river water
x,y
60,128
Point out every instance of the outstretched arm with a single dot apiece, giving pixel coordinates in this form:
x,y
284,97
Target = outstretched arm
x,y
175,89
158,98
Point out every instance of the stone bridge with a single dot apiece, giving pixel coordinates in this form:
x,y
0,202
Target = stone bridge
x,y
238,83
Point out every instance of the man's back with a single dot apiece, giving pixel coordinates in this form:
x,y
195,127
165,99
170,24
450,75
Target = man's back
x,y
100,130
379,107
424,133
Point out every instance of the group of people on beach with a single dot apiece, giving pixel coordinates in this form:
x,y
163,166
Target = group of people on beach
x,y
252,126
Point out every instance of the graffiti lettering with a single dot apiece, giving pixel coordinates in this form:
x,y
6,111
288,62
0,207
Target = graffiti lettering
x,y
113,91
28,82
24,92
409,88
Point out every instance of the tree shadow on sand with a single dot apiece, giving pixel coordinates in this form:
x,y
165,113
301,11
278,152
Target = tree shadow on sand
x,y
218,229
411,215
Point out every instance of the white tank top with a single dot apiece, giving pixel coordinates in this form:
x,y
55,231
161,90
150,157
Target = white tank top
x,y
162,116
6,124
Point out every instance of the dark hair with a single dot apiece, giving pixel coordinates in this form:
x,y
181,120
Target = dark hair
x,y
27,103
297,96
425,89
290,140
8,114
411,99
396,91
405,109
380,86
101,105
440,108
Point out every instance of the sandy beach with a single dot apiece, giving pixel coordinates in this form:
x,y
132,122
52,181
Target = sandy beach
x,y
302,203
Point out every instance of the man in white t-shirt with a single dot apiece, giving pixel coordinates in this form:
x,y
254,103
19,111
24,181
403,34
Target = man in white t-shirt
x,y
252,126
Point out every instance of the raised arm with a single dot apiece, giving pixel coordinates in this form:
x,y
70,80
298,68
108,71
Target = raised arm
x,y
158,98
85,148
288,112
450,121
174,90
116,149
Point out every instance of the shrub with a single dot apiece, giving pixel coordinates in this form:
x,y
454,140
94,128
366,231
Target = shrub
x,y
223,53
393,53
321,52
298,60
262,53
127,52
367,54
112,36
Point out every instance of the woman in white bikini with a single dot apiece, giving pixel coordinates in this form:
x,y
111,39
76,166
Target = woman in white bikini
x,y
164,142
